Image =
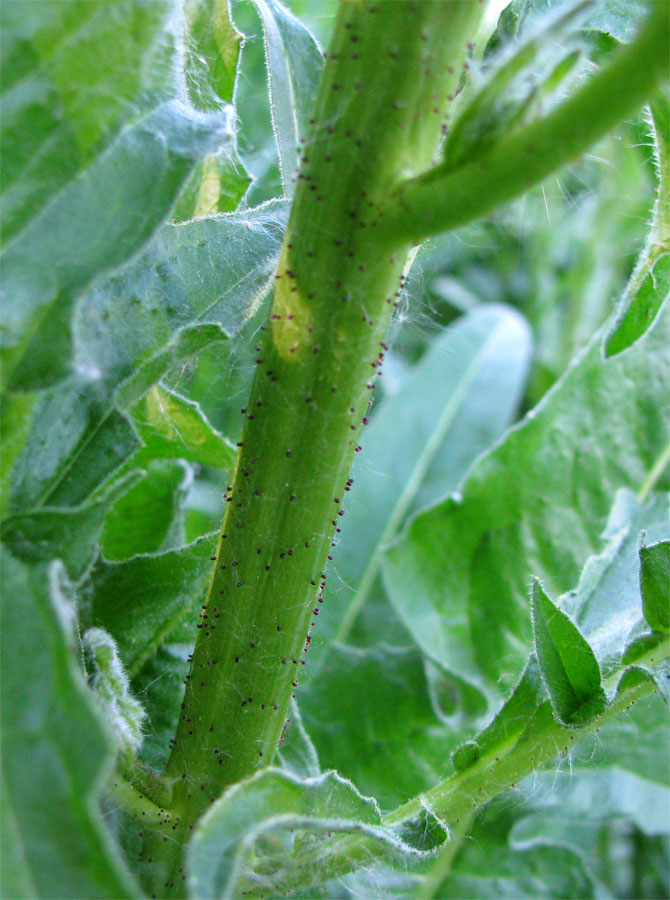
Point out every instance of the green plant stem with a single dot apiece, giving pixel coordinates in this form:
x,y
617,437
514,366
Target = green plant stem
x,y
441,199
379,116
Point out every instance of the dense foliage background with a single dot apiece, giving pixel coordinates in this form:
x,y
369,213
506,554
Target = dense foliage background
x,y
140,234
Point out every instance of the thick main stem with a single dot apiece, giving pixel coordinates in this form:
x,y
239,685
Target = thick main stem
x,y
392,70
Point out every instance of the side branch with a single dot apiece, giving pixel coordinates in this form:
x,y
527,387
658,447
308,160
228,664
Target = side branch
x,y
439,200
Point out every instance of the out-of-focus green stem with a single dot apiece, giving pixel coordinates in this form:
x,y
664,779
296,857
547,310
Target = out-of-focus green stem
x,y
440,199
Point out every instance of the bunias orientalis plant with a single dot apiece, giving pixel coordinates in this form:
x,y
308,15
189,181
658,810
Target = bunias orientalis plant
x,y
362,199
367,185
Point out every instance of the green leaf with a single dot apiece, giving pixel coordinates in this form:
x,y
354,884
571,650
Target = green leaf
x,y
655,585
536,503
294,62
646,294
455,403
74,444
513,91
274,801
55,753
171,426
606,604
70,534
569,666
141,600
127,136
145,518
212,54
195,283
376,703
586,799
15,417
610,23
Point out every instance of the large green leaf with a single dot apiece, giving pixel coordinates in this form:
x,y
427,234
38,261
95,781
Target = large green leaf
x,y
194,283
587,798
376,722
55,751
537,504
294,64
419,444
88,175
487,868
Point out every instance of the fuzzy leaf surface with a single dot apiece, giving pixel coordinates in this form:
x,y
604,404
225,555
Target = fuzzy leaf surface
x,y
195,283
276,801
66,153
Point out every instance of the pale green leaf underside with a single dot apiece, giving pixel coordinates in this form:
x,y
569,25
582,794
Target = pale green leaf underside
x,y
274,800
194,284
88,176
294,64
55,750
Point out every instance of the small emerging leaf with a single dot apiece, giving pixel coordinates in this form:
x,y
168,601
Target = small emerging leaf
x,y
568,664
121,710
655,585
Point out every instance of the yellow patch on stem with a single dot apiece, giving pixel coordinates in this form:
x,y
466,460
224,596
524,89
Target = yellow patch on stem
x,y
291,314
